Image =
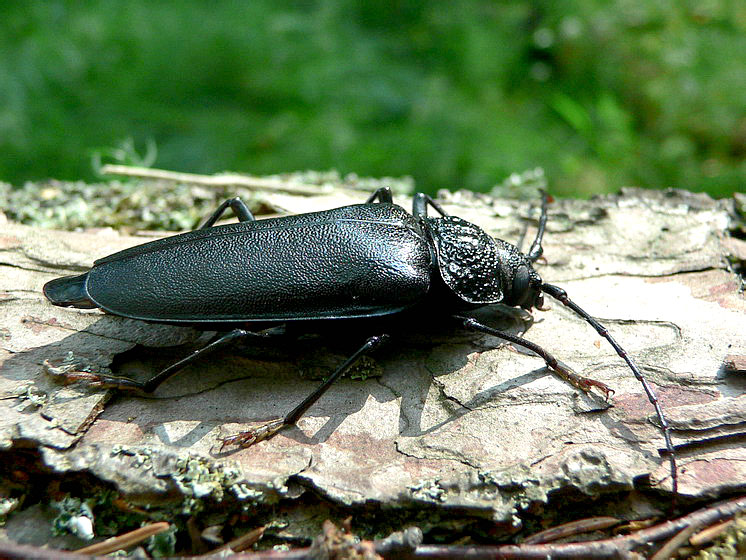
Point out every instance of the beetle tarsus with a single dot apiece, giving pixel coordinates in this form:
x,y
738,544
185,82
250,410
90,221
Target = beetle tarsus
x,y
254,435
585,384
106,381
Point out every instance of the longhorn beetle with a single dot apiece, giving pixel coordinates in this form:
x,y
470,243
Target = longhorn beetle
x,y
361,261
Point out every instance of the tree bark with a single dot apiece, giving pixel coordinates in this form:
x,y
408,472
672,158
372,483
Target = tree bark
x,y
455,419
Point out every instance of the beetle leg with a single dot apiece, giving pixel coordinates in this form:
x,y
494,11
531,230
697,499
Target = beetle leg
x,y
381,195
420,203
585,384
126,384
267,430
154,382
239,209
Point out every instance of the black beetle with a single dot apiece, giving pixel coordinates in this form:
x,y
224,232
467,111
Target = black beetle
x,y
360,261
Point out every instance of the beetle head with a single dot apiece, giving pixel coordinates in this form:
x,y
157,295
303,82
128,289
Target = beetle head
x,y
525,287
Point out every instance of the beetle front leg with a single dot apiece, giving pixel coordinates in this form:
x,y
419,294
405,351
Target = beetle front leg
x,y
585,384
269,429
561,296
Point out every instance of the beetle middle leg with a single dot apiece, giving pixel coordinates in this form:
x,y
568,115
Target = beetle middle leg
x,y
269,429
420,203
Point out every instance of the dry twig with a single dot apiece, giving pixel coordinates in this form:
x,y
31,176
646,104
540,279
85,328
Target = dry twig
x,y
573,528
240,543
124,541
333,538
220,180
711,533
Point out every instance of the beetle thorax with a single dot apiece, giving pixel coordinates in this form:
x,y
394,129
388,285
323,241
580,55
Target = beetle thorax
x,y
480,269
467,259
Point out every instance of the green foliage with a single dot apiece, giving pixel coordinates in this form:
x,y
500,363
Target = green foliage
x,y
124,154
456,94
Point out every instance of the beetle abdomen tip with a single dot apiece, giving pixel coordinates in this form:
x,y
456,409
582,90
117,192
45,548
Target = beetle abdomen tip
x,y
69,291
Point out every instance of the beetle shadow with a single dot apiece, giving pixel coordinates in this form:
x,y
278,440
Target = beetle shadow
x,y
403,361
460,344
315,353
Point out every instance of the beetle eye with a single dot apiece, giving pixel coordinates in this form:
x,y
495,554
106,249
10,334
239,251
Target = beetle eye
x,y
520,283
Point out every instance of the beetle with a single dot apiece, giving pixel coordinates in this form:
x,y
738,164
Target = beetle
x,y
361,261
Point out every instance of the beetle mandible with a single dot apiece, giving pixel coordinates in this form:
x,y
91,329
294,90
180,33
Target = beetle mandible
x,y
361,261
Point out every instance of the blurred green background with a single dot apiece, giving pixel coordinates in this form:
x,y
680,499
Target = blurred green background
x,y
601,94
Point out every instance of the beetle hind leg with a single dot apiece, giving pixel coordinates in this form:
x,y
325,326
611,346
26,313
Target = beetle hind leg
x,y
154,382
239,209
381,195
269,429
127,384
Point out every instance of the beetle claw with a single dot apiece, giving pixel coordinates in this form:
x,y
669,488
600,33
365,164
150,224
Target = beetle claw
x,y
585,384
255,435
602,388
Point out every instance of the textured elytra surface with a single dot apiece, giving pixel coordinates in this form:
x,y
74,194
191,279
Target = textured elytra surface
x,y
353,261
454,419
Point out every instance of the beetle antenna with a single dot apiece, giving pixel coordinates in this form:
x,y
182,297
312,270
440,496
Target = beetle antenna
x,y
559,294
536,250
